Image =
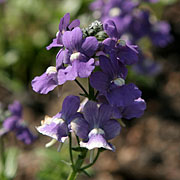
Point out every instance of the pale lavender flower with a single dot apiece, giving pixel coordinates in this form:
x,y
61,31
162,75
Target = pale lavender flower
x,y
58,127
49,80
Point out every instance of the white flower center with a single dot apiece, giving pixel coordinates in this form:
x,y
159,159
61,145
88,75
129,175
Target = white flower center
x,y
119,81
74,56
96,131
58,120
115,12
51,69
48,120
57,34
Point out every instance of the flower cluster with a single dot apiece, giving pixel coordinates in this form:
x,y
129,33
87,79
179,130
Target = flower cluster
x,y
104,62
72,61
98,54
133,24
15,124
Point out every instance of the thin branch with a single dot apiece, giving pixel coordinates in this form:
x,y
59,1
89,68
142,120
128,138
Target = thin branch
x,y
89,165
84,90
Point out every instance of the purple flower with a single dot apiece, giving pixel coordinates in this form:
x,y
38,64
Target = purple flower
x,y
135,22
111,83
77,54
58,126
117,10
16,116
140,25
50,79
64,25
96,127
133,110
24,134
146,66
125,53
15,123
160,34
47,81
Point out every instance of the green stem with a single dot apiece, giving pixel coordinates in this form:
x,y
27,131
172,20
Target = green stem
x,y
72,175
96,95
95,159
91,91
77,166
78,141
84,90
122,123
2,154
70,150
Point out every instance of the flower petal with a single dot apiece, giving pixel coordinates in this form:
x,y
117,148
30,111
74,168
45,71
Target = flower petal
x,y
97,141
74,23
84,69
128,54
123,95
105,112
89,46
44,83
107,66
62,57
90,112
11,122
110,28
55,43
70,106
111,128
64,22
24,134
100,81
81,127
72,40
54,129
134,110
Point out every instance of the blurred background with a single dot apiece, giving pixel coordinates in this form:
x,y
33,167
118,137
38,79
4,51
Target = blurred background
x,y
147,149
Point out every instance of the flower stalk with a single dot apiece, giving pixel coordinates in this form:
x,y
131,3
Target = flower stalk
x,y
2,154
